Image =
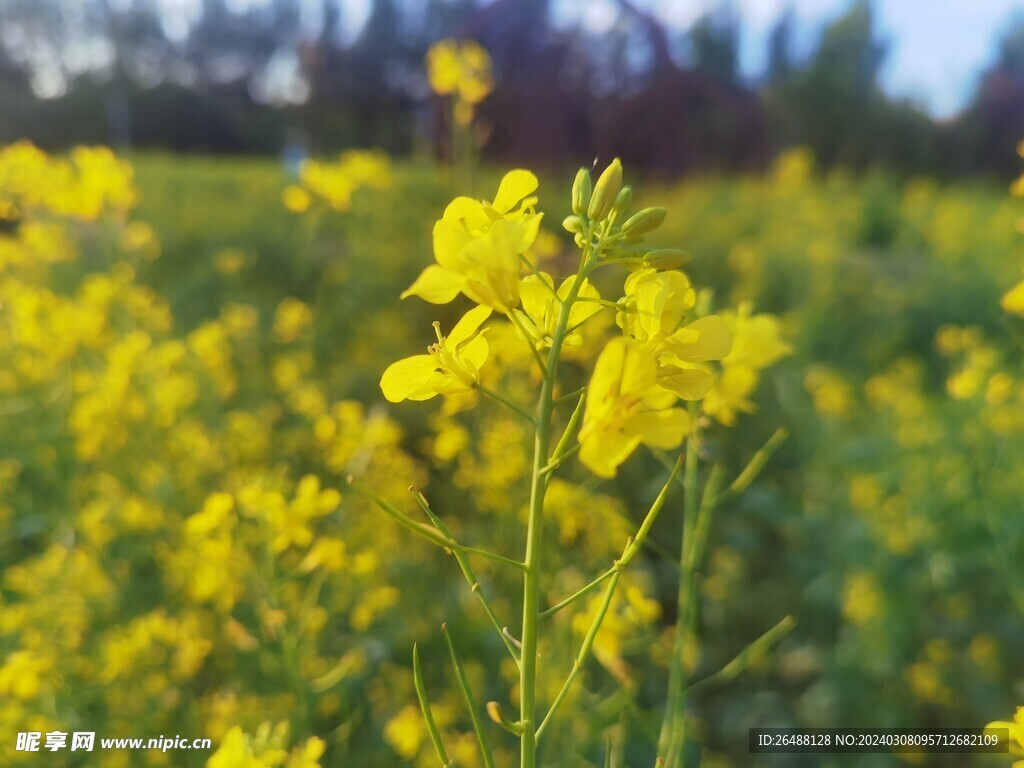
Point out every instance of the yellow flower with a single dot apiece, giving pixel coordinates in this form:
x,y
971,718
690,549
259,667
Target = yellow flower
x,y
296,199
1016,729
1013,299
656,304
459,67
757,344
291,320
625,407
477,246
541,307
308,755
451,366
234,752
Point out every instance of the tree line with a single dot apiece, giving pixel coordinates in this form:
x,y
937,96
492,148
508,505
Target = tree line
x,y
255,78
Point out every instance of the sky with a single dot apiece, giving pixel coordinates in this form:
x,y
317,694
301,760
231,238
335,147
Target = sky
x,y
936,47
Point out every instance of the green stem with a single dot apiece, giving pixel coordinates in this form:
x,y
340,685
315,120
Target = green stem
x,y
588,643
536,273
518,323
506,402
580,592
538,487
467,570
676,700
428,715
748,655
471,705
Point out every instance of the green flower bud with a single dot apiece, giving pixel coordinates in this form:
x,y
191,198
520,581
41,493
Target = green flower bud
x,y
581,192
572,224
643,222
580,240
605,191
622,201
666,258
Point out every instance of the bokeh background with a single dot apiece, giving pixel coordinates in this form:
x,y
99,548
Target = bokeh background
x,y
199,294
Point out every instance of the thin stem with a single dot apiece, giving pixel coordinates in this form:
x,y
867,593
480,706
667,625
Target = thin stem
x,y
561,451
633,546
471,705
518,323
506,402
676,701
536,273
405,521
638,541
556,461
744,658
428,716
580,593
570,396
494,556
467,571
588,642
538,487
754,466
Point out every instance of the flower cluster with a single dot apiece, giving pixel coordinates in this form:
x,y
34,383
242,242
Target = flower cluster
x,y
168,533
335,183
462,69
664,349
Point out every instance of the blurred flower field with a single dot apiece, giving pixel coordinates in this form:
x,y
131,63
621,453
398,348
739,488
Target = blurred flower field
x,y
190,358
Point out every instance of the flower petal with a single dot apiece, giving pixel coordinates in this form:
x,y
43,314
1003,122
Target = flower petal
x,y
706,339
516,185
436,285
688,383
602,453
660,429
474,353
537,298
467,326
1013,300
467,213
405,378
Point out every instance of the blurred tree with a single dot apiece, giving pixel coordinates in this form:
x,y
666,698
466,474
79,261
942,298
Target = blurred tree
x,y
835,105
993,124
714,42
780,49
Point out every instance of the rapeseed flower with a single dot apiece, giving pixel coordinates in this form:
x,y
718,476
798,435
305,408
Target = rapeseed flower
x,y
542,304
452,365
654,309
625,408
461,68
1016,729
477,246
757,344
1013,300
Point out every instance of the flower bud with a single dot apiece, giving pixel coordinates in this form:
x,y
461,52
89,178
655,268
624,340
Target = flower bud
x,y
666,258
572,224
605,191
581,192
622,201
643,222
580,240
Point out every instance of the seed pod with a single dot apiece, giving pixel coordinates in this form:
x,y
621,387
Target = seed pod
x,y
666,258
581,192
643,222
572,224
605,191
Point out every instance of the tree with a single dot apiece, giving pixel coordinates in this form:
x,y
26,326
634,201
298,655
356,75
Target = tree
x,y
714,42
780,49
